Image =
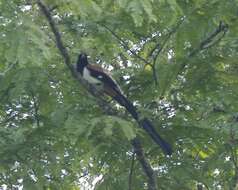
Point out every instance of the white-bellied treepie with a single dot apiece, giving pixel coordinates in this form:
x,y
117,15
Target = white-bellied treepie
x,y
97,76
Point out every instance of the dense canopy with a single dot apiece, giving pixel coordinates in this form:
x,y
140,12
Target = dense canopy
x,y
175,59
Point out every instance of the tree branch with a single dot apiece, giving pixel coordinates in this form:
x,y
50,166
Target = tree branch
x,y
144,163
160,45
154,53
8,69
126,47
135,142
208,42
131,171
205,44
36,109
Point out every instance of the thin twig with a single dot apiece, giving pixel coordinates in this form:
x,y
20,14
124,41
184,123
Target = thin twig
x,y
12,115
172,31
124,44
154,73
233,156
36,109
126,47
131,172
154,53
9,68
233,152
207,43
53,8
160,46
221,28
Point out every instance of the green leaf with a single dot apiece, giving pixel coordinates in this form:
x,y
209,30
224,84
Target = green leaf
x,y
126,126
148,9
136,12
128,129
59,116
52,131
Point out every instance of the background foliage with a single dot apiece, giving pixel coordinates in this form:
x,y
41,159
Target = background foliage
x,y
177,60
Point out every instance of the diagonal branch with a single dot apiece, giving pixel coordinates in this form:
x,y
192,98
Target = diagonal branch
x,y
126,47
144,163
135,142
210,41
154,53
160,45
57,35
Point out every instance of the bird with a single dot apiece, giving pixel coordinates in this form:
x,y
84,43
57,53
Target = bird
x,y
98,77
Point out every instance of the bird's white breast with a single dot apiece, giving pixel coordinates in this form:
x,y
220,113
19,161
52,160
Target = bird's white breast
x,y
89,78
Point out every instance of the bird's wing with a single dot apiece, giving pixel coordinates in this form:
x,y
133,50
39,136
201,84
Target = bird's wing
x,y
99,73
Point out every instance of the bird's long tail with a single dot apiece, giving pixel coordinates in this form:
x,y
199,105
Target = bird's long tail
x,y
145,123
122,100
148,127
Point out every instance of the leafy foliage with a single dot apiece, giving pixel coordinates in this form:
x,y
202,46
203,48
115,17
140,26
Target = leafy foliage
x,y
53,134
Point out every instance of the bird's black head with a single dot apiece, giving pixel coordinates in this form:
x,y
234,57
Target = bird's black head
x,y
82,62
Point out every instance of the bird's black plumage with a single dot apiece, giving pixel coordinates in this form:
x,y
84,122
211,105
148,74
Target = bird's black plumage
x,y
96,75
